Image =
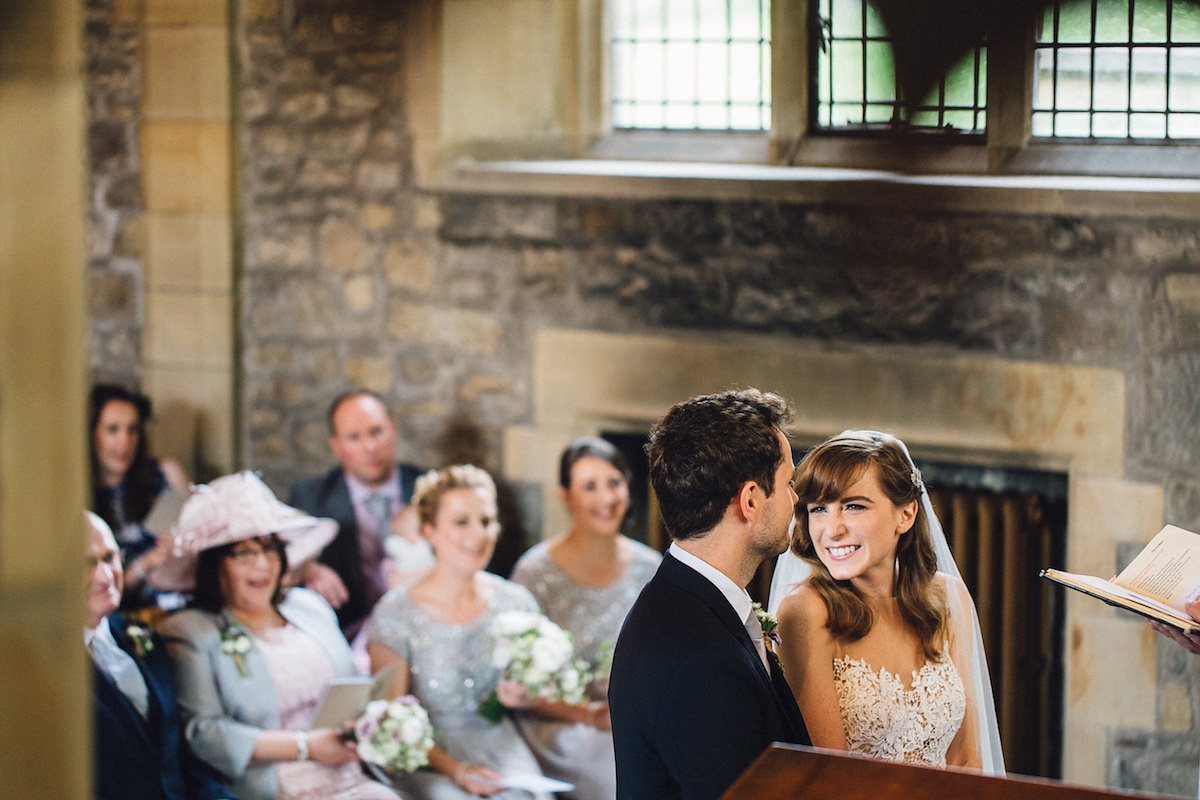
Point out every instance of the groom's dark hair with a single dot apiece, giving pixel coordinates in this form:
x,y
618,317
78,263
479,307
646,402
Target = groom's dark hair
x,y
704,449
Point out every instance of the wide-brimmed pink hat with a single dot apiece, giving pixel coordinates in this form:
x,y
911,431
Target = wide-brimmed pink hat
x,y
230,509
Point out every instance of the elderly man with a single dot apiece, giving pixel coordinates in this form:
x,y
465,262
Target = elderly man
x,y
693,694
139,745
366,494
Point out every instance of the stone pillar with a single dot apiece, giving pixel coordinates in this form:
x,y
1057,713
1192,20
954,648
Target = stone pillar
x,y
44,701
188,338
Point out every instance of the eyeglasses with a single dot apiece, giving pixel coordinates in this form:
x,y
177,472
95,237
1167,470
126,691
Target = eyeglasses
x,y
246,555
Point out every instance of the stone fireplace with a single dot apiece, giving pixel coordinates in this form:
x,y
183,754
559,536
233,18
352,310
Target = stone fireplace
x,y
969,409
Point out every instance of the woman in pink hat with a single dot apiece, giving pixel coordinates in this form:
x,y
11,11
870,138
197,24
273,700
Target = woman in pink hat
x,y
252,658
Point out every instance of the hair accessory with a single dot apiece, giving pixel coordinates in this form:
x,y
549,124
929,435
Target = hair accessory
x,y
230,509
915,475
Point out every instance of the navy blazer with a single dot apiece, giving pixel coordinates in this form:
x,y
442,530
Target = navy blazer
x,y
691,704
328,496
145,758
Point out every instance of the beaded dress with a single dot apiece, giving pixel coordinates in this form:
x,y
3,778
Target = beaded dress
x,y
451,673
884,719
300,669
575,752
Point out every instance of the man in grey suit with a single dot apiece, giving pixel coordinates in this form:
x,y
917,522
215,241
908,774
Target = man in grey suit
x,y
693,693
363,494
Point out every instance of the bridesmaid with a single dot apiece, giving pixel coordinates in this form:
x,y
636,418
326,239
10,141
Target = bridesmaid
x,y
437,629
585,580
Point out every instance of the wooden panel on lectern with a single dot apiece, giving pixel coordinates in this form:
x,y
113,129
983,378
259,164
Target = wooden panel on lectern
x,y
792,771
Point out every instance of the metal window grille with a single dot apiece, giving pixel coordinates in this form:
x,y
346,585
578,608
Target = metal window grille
x,y
1118,69
691,64
856,87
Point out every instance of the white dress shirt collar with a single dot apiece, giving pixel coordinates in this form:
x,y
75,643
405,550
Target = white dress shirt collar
x,y
359,491
738,597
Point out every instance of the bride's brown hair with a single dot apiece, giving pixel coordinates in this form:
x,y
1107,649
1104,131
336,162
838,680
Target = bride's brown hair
x,y
824,475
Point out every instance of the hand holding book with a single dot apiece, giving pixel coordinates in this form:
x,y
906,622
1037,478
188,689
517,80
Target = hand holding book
x,y
1188,641
1162,584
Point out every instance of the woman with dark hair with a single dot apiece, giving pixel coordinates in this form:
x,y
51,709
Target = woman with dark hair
x,y
585,580
252,659
879,640
126,481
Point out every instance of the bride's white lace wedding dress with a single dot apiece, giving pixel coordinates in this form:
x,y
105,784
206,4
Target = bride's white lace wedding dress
x,y
884,719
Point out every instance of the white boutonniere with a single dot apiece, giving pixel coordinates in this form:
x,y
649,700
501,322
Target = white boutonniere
x,y
235,642
140,636
768,623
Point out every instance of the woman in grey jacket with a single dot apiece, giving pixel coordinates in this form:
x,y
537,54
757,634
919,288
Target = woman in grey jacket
x,y
251,658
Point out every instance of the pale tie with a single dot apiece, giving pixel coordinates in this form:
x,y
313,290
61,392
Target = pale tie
x,y
121,668
756,635
379,507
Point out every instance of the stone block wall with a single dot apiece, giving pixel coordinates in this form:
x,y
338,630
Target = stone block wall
x,y
351,275
115,205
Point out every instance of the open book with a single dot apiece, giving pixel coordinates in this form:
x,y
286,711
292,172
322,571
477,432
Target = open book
x,y
1156,584
345,698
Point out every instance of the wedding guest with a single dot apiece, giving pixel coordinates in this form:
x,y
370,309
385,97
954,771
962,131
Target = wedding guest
x,y
251,658
585,580
880,641
693,695
137,732
367,494
436,630
126,482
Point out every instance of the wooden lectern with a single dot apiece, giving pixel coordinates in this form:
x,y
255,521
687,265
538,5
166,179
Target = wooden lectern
x,y
793,771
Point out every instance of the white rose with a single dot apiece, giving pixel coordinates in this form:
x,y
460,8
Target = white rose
x,y
368,753
546,655
412,732
568,679
534,678
511,623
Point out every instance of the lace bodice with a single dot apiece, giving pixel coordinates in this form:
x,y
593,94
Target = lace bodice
x,y
883,719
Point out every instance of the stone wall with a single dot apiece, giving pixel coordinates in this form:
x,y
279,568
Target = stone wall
x,y
115,284
352,276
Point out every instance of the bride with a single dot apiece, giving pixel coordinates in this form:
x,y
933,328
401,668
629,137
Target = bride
x,y
879,638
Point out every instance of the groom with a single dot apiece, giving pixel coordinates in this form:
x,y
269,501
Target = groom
x,y
693,697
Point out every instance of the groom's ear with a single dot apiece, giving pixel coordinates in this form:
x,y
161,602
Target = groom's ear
x,y
748,500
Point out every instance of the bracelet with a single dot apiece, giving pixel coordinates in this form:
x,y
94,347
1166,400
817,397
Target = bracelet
x,y
459,771
301,746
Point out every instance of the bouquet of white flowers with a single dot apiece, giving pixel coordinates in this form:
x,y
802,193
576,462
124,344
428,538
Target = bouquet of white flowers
x,y
394,734
537,654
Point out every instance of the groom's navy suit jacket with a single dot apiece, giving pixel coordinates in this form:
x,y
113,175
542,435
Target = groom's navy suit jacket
x,y
146,758
691,703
